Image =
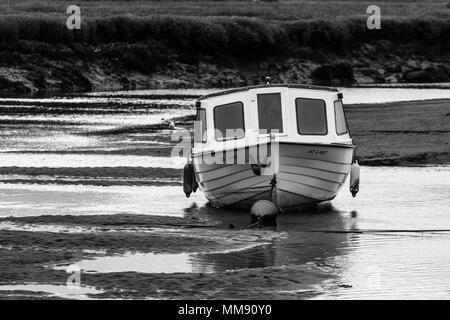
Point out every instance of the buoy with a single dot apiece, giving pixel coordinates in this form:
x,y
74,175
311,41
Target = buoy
x,y
188,174
263,210
354,178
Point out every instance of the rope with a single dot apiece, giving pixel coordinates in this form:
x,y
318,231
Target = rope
x,y
273,183
378,231
259,223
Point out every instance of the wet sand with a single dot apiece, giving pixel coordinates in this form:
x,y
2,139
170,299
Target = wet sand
x,y
96,187
31,256
401,133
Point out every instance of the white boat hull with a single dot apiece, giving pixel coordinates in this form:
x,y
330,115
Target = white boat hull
x,y
306,174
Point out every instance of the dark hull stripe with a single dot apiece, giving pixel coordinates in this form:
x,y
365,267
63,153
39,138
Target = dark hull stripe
x,y
226,194
309,176
221,177
336,168
301,195
312,159
249,188
304,184
233,182
212,168
309,167
248,198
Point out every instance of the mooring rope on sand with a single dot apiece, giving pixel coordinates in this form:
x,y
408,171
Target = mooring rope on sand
x,y
379,231
258,223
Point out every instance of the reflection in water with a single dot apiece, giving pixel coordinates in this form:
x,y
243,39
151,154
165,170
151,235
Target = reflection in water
x,y
258,257
300,247
197,262
141,262
34,200
392,266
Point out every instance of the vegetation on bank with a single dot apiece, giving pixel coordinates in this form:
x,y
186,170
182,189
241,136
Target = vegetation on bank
x,y
233,36
140,44
237,27
282,10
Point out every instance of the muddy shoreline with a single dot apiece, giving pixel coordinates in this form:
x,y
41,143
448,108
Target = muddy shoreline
x,y
36,67
413,133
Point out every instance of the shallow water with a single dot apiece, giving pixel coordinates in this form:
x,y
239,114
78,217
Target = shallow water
x,y
140,262
49,290
32,199
88,161
391,241
382,95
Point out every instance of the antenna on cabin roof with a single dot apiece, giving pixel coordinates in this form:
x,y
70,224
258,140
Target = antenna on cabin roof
x,y
268,81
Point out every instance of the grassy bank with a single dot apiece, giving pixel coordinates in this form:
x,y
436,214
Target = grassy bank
x,y
139,44
227,35
268,10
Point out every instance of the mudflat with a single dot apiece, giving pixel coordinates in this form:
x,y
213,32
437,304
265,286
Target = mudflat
x,y
401,133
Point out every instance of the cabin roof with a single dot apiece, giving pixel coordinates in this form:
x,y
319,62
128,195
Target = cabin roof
x,y
297,86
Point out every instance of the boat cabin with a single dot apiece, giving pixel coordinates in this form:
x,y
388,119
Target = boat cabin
x,y
252,115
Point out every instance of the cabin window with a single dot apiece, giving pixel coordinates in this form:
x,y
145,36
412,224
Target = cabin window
x,y
269,112
341,123
311,116
200,126
229,121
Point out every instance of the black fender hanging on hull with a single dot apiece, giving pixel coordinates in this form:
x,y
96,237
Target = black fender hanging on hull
x,y
188,179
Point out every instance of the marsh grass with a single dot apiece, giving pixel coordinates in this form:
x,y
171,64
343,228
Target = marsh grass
x,y
222,28
235,35
278,10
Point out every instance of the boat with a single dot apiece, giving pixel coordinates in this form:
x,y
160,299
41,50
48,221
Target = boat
x,y
287,144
